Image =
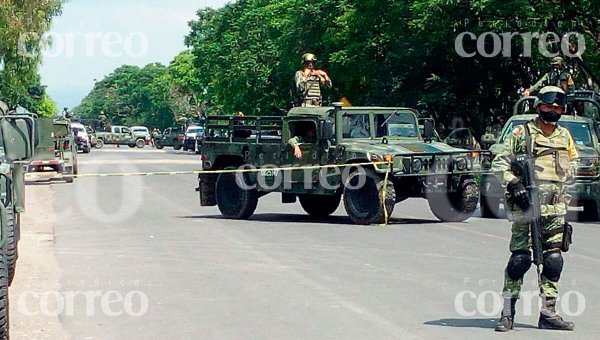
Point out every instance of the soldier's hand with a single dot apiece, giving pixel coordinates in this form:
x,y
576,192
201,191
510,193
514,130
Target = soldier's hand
x,y
519,194
297,152
526,93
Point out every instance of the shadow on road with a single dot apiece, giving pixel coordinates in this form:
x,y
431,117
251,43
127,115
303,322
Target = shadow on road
x,y
471,323
296,218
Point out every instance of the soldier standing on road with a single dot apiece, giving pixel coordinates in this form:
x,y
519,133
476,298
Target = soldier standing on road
x,y
557,76
551,173
310,81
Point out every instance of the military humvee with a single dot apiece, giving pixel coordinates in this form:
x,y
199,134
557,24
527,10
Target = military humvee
x,y
16,143
363,149
585,131
55,148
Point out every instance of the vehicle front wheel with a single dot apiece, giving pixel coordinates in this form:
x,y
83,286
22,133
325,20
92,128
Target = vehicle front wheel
x,y
591,210
320,205
363,199
70,172
140,143
4,310
176,145
235,201
11,245
457,206
158,145
99,144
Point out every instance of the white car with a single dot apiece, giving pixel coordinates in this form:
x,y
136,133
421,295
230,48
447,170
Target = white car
x,y
82,139
141,131
191,135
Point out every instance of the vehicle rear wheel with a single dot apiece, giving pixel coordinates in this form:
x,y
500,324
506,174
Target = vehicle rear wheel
x,y
489,206
320,205
591,210
140,143
4,310
69,171
99,144
176,144
457,206
11,245
234,201
364,203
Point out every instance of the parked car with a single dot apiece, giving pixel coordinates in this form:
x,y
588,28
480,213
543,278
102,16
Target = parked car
x,y
172,136
191,135
82,140
143,132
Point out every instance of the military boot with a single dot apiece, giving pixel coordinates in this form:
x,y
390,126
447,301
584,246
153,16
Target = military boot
x,y
507,318
549,319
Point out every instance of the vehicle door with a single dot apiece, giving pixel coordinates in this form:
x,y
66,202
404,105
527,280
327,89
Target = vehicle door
x,y
126,135
302,179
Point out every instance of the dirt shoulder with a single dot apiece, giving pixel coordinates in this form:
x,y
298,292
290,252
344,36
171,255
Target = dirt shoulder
x,y
32,299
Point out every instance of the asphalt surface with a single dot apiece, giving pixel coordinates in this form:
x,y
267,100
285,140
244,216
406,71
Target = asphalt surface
x,y
281,274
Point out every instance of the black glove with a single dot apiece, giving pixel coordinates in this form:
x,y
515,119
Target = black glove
x,y
519,194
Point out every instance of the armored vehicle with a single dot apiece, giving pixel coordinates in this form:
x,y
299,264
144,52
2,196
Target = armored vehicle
x,y
372,157
16,149
55,148
173,136
586,134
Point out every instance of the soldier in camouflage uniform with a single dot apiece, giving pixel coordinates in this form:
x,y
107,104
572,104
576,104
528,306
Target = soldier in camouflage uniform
x,y
309,82
557,76
551,172
306,134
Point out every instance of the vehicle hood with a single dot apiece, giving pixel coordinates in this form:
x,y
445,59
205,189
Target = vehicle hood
x,y
587,152
395,147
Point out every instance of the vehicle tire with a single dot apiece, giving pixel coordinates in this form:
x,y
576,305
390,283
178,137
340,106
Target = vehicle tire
x,y
176,145
489,206
11,245
364,204
235,202
185,147
457,206
158,145
320,205
99,144
69,171
87,150
140,143
4,310
591,210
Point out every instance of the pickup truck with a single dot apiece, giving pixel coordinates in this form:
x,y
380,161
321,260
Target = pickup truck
x,y
119,135
373,157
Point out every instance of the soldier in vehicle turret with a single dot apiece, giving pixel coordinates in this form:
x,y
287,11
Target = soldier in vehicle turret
x,y
310,82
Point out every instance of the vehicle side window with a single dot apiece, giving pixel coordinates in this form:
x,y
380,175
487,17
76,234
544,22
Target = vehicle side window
x,y
307,130
117,130
167,131
126,130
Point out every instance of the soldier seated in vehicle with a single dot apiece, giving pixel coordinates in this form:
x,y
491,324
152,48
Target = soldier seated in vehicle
x,y
304,132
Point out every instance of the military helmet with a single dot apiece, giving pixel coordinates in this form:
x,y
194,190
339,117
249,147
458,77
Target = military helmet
x,y
557,60
308,57
551,95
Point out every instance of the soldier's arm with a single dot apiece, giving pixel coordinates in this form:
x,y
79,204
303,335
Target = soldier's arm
x,y
573,154
295,141
501,166
300,82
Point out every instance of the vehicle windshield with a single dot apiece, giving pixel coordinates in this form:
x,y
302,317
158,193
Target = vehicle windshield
x,y
580,131
400,124
195,130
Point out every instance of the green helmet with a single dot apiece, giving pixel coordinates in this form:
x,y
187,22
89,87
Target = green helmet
x,y
308,57
551,95
558,60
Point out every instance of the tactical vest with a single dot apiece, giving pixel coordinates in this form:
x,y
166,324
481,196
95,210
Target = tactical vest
x,y
313,88
554,167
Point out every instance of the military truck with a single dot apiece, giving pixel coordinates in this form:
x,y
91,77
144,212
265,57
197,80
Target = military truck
x,y
16,144
358,153
586,135
173,136
119,135
55,149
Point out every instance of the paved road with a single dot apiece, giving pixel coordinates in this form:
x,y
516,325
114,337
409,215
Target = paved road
x,y
282,275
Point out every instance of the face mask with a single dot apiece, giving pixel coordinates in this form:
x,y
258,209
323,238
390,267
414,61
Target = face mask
x,y
550,117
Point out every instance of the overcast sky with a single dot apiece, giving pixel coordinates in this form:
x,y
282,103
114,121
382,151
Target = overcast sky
x,y
93,37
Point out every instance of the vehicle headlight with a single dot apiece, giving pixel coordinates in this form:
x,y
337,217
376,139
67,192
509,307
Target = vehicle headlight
x,y
588,162
461,164
417,165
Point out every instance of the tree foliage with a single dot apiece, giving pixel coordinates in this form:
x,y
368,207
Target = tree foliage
x,y
22,24
378,52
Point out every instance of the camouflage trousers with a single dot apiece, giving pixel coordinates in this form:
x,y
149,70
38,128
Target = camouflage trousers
x,y
553,220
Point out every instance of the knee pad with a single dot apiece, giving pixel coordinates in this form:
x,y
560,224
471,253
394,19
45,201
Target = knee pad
x,y
553,265
518,264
